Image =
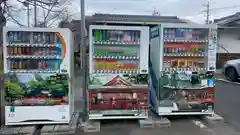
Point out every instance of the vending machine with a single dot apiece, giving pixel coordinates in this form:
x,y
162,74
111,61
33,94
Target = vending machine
x,y
182,67
38,71
118,72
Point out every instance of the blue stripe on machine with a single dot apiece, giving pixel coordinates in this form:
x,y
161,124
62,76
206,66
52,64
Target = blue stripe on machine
x,y
153,77
153,82
154,33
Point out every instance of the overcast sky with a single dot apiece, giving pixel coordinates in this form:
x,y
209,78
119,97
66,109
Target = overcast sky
x,y
188,9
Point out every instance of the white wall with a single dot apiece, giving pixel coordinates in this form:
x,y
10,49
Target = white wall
x,y
229,39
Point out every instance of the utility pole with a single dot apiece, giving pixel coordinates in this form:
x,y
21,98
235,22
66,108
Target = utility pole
x,y
26,3
35,13
207,11
83,58
2,24
28,14
82,32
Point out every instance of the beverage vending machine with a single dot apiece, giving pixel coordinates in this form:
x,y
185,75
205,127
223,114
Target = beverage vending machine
x,y
182,67
118,72
38,71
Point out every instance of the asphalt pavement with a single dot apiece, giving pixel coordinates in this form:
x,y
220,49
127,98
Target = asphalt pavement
x,y
228,102
179,126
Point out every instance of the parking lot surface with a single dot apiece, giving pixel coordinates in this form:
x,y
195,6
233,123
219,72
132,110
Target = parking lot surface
x,y
228,102
180,126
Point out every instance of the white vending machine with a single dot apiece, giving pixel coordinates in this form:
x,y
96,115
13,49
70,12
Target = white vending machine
x,y
38,72
118,72
182,67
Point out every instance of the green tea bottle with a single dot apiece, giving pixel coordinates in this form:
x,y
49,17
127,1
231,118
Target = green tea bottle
x,y
104,38
97,35
106,53
95,52
100,35
107,35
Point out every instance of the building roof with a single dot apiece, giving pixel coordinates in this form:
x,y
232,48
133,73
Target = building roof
x,y
123,19
228,19
135,18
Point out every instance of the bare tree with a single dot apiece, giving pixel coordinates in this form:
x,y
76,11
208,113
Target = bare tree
x,y
12,13
54,13
50,12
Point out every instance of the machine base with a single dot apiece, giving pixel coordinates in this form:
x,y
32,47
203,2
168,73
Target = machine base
x,y
168,111
113,114
27,115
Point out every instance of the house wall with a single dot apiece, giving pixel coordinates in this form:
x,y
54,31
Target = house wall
x,y
230,40
75,27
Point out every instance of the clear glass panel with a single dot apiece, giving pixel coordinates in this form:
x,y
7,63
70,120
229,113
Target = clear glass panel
x,y
33,59
121,36
116,50
188,91
185,49
38,52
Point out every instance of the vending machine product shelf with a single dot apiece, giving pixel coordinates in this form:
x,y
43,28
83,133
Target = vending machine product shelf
x,y
38,67
118,72
182,67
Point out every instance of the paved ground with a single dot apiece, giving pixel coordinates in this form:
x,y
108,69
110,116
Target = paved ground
x,y
228,102
184,126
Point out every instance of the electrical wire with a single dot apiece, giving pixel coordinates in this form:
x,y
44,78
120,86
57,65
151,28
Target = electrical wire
x,y
228,7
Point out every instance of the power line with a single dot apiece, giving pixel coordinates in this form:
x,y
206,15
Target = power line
x,y
228,7
208,10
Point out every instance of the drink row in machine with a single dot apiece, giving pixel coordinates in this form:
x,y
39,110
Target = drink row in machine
x,y
183,63
37,37
30,64
116,35
186,49
115,52
35,51
116,65
180,33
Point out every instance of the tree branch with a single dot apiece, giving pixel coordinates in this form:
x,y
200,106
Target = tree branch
x,y
8,12
12,19
52,12
39,5
48,12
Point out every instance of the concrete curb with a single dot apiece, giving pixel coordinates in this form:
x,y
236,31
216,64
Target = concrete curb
x,y
18,130
226,81
215,118
62,129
